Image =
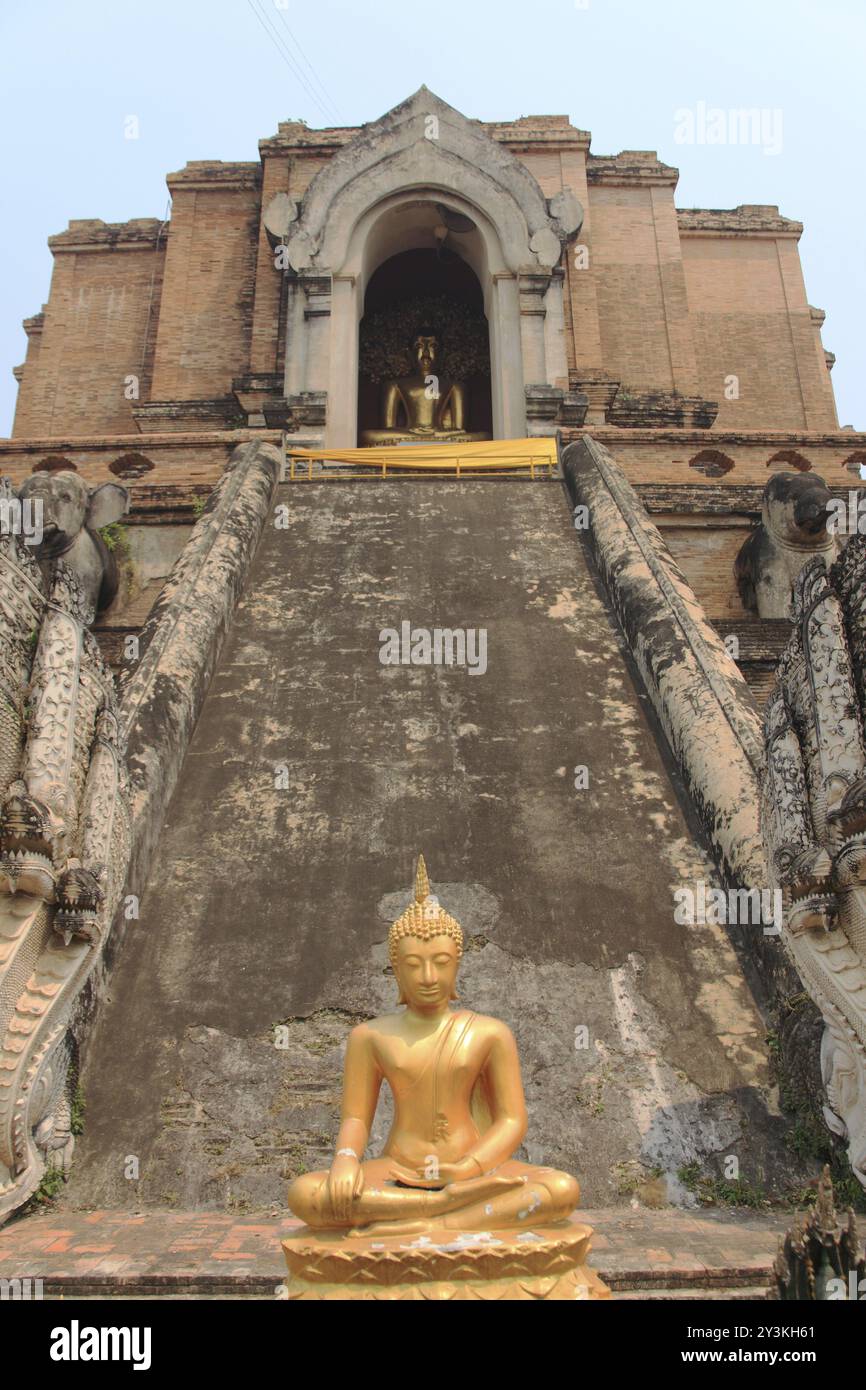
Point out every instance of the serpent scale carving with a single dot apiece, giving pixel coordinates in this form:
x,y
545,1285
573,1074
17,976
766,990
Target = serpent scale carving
x,y
64,847
814,821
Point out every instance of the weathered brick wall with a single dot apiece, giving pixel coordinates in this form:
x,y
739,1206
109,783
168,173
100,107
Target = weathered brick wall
x,y
206,317
751,319
27,376
693,457
145,463
105,292
671,301
268,287
625,267
705,549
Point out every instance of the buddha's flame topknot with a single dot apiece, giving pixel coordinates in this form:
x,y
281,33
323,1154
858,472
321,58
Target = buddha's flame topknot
x,y
424,918
422,882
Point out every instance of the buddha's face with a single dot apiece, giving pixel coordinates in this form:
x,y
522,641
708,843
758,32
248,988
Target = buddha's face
x,y
426,352
426,971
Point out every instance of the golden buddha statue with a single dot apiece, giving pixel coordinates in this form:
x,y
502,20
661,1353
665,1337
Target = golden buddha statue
x,y
423,408
447,1173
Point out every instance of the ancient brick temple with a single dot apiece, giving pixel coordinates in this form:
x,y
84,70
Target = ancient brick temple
x,y
637,600
683,338
594,282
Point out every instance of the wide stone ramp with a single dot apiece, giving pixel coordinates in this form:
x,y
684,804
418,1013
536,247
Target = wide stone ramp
x,y
316,774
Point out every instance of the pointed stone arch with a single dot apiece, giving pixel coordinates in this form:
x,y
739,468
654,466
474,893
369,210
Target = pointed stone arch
x,y
383,192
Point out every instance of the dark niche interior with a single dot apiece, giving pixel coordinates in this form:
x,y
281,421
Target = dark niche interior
x,y
425,274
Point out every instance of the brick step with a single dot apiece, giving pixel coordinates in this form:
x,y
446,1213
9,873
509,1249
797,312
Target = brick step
x,y
752,1293
624,1276
197,1290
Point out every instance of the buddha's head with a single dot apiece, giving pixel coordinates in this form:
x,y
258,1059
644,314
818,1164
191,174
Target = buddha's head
x,y
425,350
424,946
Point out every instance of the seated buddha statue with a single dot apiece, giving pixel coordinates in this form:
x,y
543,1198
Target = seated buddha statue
x,y
422,408
459,1109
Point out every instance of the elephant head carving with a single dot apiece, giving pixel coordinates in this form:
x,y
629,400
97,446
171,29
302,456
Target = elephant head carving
x,y
73,513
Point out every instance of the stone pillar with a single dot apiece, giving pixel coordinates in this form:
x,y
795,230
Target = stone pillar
x,y
310,358
556,356
342,387
532,288
317,318
296,339
506,359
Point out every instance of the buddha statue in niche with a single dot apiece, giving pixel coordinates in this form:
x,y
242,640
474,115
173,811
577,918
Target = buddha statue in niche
x,y
459,1110
423,407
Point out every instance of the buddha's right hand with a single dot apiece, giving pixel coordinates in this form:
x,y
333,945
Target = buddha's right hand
x,y
345,1183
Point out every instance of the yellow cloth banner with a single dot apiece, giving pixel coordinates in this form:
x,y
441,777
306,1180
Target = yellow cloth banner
x,y
488,453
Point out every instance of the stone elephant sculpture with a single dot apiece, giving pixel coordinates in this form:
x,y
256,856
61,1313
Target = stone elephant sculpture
x,y
793,530
72,515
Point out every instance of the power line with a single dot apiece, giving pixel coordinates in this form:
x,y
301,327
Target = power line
x,y
286,56
313,73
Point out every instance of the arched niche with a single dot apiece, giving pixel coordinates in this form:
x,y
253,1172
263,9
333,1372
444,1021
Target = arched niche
x,y
406,222
382,194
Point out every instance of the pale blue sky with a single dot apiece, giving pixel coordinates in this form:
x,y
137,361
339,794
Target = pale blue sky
x,y
206,82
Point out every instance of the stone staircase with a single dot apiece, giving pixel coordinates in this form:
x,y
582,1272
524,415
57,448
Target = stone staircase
x,y
316,774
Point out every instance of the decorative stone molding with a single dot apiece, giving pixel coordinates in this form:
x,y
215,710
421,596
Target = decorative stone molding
x,y
278,217
259,395
556,132
64,846
661,409
296,137
548,407
567,211
92,234
630,167
207,174
456,152
222,412
600,391
814,821
706,710
751,219
317,289
307,411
